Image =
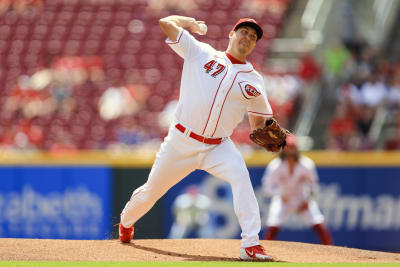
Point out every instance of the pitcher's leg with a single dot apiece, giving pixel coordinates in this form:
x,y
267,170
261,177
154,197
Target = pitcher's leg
x,y
169,168
226,163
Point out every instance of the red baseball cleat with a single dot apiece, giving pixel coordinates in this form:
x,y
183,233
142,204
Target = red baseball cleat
x,y
254,253
125,234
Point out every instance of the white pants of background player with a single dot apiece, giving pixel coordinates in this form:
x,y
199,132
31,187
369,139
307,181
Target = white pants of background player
x,y
179,155
279,211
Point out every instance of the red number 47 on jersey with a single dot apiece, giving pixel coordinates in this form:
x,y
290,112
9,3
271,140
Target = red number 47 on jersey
x,y
210,65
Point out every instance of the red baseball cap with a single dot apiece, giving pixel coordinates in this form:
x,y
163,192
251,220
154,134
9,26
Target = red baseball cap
x,y
291,140
251,23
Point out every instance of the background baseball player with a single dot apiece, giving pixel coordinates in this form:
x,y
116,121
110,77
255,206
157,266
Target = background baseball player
x,y
217,88
292,182
191,214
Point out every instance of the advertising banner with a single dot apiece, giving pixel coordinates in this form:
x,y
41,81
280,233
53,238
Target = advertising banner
x,y
361,206
55,202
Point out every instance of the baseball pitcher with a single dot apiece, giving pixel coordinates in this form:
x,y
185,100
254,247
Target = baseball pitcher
x,y
216,90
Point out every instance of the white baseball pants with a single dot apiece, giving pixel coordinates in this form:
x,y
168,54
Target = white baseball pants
x,y
279,212
179,155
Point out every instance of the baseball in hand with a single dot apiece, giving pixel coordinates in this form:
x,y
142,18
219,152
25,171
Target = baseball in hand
x,y
203,29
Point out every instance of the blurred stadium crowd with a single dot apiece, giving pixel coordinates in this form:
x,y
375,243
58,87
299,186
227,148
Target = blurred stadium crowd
x,y
369,86
96,74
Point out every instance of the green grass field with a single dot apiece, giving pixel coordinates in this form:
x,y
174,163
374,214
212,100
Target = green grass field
x,y
186,264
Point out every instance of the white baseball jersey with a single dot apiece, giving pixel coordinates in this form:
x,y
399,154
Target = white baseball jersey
x,y
296,187
215,93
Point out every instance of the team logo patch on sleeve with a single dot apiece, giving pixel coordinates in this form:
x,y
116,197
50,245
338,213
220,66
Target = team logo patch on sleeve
x,y
248,90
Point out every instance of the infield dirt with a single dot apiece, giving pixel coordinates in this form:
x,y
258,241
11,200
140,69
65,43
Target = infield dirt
x,y
177,250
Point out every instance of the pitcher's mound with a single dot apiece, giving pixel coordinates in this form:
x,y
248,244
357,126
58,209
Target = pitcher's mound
x,y
177,250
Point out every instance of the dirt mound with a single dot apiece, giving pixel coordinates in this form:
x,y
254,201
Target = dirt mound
x,y
177,250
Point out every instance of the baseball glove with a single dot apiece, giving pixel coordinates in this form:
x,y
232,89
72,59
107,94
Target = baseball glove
x,y
272,137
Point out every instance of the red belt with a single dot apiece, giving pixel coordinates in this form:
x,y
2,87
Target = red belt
x,y
202,139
